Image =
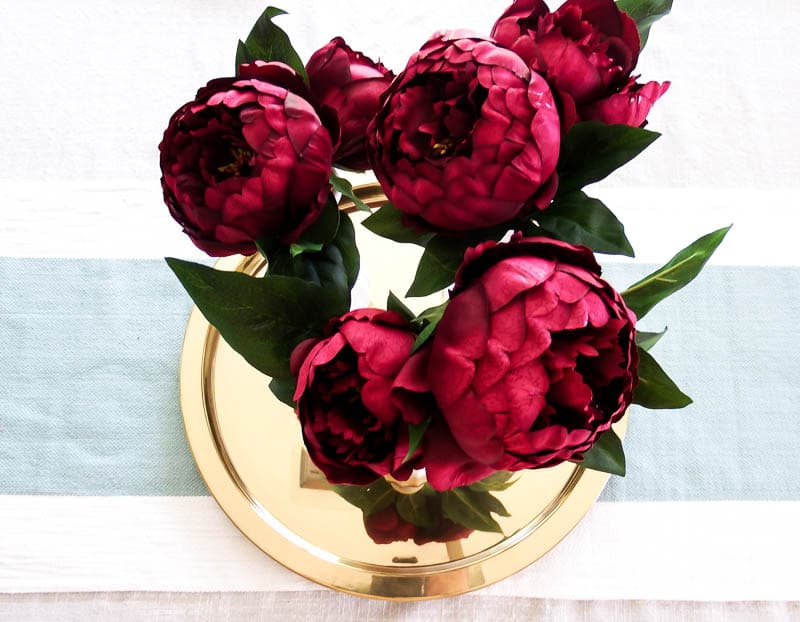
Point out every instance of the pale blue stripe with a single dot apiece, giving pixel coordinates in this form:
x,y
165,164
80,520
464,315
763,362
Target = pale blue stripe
x,y
732,346
89,354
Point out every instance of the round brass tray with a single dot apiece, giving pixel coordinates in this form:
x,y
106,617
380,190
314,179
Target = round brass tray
x,y
249,450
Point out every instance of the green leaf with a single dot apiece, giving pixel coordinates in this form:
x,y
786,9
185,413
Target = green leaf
x,y
428,320
490,503
243,56
656,389
498,481
324,228
606,455
300,247
579,219
340,184
369,499
263,319
393,303
593,150
463,506
265,247
283,389
432,314
324,268
681,269
424,336
438,266
414,509
416,431
647,340
387,222
334,266
268,42
645,13
345,241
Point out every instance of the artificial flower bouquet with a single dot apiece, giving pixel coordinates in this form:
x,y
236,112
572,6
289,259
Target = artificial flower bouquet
x,y
483,145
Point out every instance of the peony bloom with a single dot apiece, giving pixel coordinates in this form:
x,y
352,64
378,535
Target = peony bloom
x,y
446,465
351,85
248,158
533,359
587,50
354,432
467,137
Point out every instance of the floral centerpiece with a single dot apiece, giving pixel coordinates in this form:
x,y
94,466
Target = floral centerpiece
x,y
483,145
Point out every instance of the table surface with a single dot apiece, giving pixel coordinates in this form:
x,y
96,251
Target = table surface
x,y
102,511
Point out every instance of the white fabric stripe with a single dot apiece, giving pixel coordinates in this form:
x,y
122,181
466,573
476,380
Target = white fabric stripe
x,y
127,219
714,551
330,606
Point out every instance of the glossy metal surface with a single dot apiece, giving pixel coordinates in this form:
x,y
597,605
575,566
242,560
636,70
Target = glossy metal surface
x,y
248,448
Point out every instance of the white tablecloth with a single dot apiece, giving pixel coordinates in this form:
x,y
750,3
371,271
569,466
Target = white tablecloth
x,y
88,88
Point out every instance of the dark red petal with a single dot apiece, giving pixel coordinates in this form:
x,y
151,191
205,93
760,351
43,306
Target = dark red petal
x,y
446,465
472,426
628,107
299,354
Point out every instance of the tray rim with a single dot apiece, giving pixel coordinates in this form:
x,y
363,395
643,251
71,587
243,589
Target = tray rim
x,y
501,560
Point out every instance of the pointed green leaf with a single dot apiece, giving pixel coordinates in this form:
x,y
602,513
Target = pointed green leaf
x,y
340,184
298,248
432,314
489,502
681,269
263,319
265,247
606,455
416,431
324,228
428,320
498,481
414,509
283,389
593,150
268,42
462,506
647,340
242,56
369,499
324,268
645,13
438,266
387,222
579,219
345,241
393,303
333,266
424,336
656,389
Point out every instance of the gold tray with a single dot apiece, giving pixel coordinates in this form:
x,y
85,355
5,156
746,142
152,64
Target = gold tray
x,y
249,451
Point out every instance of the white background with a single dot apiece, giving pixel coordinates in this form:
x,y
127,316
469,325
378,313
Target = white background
x,y
88,87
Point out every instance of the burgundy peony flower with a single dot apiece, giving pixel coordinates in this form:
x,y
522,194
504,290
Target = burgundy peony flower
x,y
532,360
352,429
446,465
249,157
467,137
386,526
587,49
351,84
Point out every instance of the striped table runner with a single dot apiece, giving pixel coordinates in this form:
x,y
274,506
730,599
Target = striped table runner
x,y
102,512
98,491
